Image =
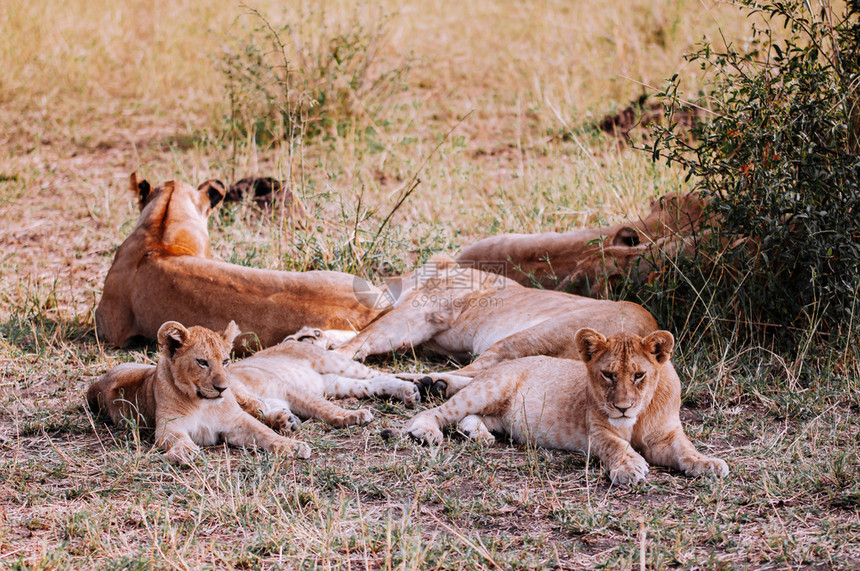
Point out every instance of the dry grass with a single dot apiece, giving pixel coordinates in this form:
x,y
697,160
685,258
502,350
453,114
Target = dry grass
x,y
92,90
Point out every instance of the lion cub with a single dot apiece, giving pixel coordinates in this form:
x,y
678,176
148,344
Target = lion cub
x,y
187,397
621,404
295,377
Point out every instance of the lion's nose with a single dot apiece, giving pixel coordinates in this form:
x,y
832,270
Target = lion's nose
x,y
219,389
622,408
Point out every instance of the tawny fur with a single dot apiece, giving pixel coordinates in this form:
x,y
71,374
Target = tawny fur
x,y
163,271
587,261
295,377
620,404
461,312
188,397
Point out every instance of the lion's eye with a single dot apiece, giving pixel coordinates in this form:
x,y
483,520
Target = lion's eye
x,y
203,363
638,376
225,362
609,376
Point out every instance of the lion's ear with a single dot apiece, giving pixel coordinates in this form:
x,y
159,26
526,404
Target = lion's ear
x,y
589,343
231,333
139,188
626,236
171,336
659,344
215,190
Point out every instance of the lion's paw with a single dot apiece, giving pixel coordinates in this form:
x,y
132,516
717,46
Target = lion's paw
x,y
291,447
409,394
305,335
183,453
360,416
631,470
283,421
708,467
303,451
426,432
474,429
428,387
481,436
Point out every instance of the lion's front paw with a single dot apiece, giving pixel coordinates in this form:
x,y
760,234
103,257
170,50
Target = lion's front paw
x,y
303,451
354,417
183,453
424,431
282,421
708,467
409,394
631,470
305,335
482,436
291,447
474,428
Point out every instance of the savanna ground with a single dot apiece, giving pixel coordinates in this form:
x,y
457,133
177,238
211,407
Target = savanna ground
x,y
492,106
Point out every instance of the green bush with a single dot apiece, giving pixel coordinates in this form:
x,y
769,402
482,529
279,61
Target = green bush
x,y
779,160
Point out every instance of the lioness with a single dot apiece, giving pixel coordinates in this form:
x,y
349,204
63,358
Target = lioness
x,y
163,271
187,396
462,311
295,377
586,261
620,401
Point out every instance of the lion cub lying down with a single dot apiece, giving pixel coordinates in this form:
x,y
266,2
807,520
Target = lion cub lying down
x,y
187,397
620,403
295,377
192,399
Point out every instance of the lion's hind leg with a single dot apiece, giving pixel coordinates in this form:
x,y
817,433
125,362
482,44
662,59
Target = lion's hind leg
x,y
541,339
338,386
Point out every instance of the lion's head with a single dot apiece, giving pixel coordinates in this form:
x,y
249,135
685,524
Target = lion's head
x,y
175,215
197,358
623,371
205,197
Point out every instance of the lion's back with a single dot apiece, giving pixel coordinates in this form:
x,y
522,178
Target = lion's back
x,y
120,393
292,368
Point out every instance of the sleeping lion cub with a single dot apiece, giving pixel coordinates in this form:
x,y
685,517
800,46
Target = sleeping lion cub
x,y
620,403
294,377
187,397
